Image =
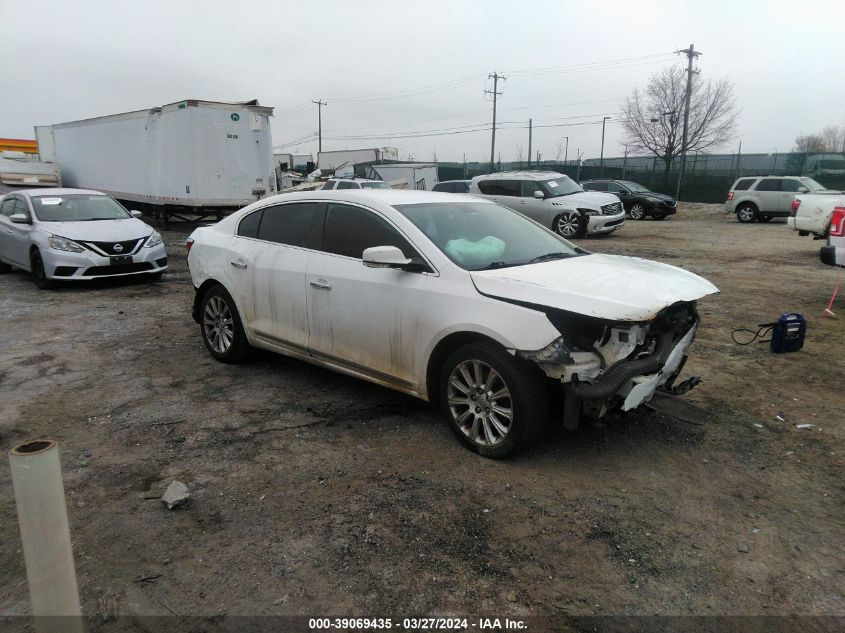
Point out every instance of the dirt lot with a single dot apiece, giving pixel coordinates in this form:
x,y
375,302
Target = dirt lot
x,y
314,493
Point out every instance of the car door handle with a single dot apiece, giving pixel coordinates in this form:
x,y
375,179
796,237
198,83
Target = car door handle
x,y
238,264
322,285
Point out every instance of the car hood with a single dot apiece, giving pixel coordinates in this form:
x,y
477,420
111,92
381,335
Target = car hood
x,y
659,196
99,230
595,198
604,286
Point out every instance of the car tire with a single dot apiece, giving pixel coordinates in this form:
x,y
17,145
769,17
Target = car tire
x,y
746,212
39,275
637,211
570,224
764,218
478,371
221,327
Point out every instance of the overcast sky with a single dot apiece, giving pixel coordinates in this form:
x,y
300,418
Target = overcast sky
x,y
395,67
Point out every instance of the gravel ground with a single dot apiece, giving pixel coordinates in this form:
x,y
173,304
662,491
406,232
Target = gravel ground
x,y
314,493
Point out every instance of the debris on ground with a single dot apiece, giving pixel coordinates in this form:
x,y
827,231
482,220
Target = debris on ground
x,y
805,426
743,547
176,494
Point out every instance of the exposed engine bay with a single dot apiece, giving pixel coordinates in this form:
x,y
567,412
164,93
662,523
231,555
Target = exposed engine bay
x,y
605,365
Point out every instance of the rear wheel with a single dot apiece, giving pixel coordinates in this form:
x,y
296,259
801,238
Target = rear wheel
x,y
637,211
221,326
39,275
496,404
746,213
570,224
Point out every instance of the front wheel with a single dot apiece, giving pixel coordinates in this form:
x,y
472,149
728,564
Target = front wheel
x,y
637,211
221,326
746,213
496,404
570,224
39,274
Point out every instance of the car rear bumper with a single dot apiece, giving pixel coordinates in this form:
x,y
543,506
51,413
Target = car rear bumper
x,y
61,265
832,255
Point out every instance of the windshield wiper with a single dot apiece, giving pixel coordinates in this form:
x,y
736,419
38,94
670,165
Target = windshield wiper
x,y
493,265
549,256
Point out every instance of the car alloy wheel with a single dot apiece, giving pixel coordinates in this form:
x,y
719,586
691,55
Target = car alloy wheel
x,y
637,211
218,324
480,403
746,213
568,224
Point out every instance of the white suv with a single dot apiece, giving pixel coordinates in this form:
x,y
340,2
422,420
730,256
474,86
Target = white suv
x,y
554,200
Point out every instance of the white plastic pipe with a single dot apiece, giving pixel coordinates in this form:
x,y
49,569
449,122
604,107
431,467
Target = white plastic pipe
x,y
42,515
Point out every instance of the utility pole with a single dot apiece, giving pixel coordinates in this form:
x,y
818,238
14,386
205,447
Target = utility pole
x,y
495,77
319,103
530,124
566,151
601,158
691,54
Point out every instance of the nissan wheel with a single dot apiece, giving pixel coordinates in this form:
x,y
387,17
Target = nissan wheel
x,y
570,224
637,211
39,274
746,213
495,403
221,326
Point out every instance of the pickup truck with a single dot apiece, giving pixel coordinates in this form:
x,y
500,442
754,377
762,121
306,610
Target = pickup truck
x,y
834,253
811,213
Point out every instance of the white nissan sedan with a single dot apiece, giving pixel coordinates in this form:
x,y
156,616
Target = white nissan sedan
x,y
455,300
75,234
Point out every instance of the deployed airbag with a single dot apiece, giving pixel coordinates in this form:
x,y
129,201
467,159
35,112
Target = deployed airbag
x,y
483,251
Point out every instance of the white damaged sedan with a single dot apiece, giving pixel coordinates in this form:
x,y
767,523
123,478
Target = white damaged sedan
x,y
455,300
75,234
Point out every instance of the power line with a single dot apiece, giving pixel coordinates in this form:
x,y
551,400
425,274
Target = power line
x,y
588,65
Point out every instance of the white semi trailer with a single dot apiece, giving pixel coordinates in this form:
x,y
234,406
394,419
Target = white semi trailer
x,y
191,157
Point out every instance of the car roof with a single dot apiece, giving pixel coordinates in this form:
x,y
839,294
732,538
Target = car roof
x,y
526,175
350,179
57,191
443,181
390,197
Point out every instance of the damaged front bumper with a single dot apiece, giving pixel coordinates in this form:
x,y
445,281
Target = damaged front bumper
x,y
624,366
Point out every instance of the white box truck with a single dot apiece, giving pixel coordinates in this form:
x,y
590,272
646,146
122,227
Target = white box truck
x,y
192,156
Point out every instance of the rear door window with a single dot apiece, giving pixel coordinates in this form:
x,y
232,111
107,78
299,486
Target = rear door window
x,y
500,187
595,186
768,184
351,230
743,184
293,224
248,226
461,187
346,184
329,185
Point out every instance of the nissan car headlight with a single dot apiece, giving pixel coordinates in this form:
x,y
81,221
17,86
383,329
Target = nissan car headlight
x,y
153,240
64,244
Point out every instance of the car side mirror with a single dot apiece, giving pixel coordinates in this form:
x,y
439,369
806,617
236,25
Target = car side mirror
x,y
137,214
20,218
539,194
384,257
803,190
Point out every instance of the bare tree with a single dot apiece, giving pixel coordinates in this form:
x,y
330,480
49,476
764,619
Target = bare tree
x,y
520,152
559,149
834,138
810,144
653,120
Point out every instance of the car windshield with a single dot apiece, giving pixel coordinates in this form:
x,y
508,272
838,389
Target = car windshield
x,y
375,185
562,186
481,236
634,187
77,208
812,185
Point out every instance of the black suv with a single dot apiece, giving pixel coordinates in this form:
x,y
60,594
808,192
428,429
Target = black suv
x,y
637,200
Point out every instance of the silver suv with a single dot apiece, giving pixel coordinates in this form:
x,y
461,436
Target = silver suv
x,y
354,183
554,200
761,198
